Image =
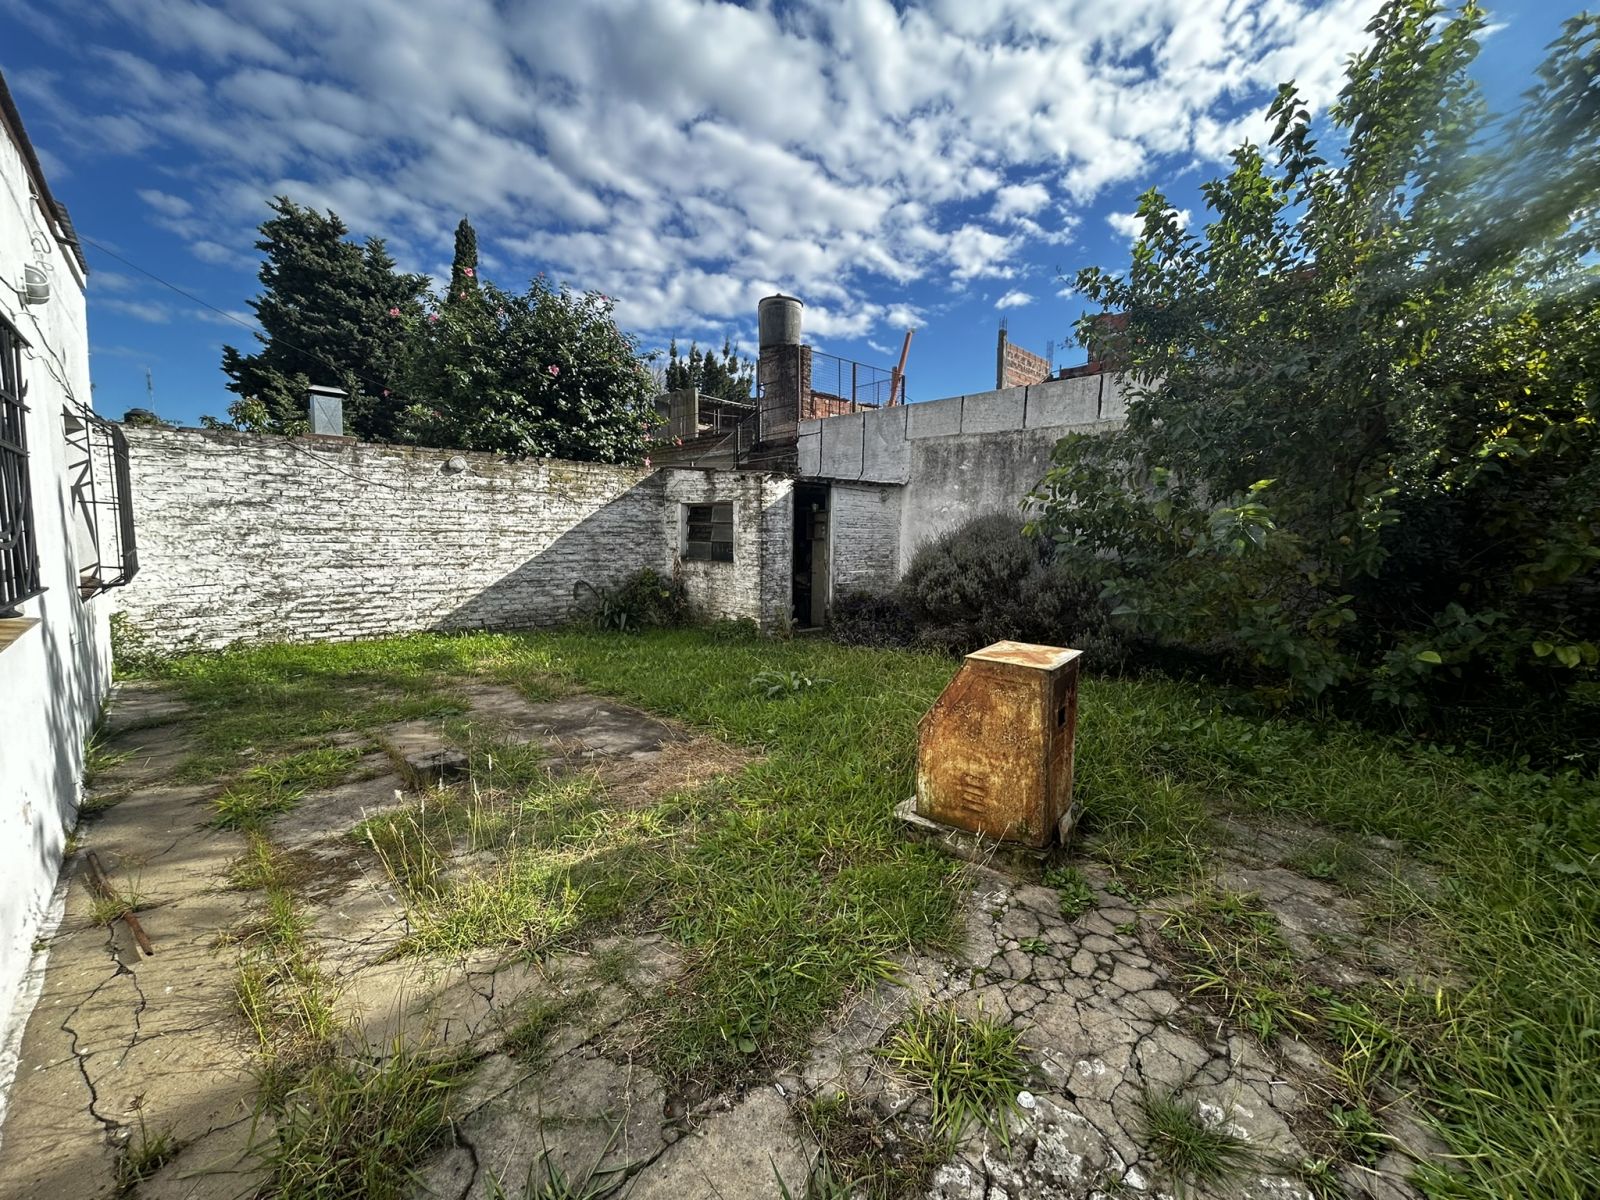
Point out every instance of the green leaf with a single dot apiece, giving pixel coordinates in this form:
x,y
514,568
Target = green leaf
x,y
1429,656
1568,656
1542,649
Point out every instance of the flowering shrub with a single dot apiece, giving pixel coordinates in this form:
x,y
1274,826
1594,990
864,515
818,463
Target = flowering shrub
x,y
545,372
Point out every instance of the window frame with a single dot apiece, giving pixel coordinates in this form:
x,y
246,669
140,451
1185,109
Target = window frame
x,y
710,516
19,544
100,480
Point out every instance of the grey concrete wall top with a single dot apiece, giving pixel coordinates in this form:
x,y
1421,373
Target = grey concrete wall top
x,y
994,412
875,446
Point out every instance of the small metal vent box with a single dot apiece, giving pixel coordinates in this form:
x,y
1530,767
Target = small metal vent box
x,y
994,753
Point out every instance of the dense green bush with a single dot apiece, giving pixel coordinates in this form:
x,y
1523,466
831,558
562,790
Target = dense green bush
x,y
1362,452
644,600
984,581
872,620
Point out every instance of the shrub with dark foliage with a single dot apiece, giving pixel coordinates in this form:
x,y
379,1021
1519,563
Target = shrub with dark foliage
x,y
985,581
644,600
878,621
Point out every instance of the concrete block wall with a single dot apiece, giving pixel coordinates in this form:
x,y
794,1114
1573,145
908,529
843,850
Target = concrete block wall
x,y
876,446
945,461
247,538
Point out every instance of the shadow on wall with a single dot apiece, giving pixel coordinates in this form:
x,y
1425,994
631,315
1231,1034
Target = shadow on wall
x,y
248,538
602,549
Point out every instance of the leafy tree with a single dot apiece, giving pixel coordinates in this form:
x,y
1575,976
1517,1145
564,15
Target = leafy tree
x,y
723,376
546,372
1362,445
464,266
325,318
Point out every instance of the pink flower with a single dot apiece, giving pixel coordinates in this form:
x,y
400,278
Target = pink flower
x,y
677,441
467,271
386,392
433,318
647,460
554,370
394,312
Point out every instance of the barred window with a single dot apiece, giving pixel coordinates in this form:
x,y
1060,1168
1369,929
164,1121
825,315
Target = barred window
x,y
708,532
19,548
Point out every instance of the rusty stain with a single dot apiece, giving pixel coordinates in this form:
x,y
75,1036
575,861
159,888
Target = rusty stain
x,y
994,753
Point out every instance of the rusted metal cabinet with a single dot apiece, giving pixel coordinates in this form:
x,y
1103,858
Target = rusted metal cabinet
x,y
994,753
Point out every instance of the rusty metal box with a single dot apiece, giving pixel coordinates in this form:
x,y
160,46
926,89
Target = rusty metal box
x,y
994,753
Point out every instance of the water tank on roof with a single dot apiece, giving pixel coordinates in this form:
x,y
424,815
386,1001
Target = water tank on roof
x,y
779,318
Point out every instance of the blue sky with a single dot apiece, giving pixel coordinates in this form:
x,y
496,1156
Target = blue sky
x,y
939,166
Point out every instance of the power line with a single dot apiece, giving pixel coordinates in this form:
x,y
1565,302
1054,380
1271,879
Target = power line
x,y
228,316
293,444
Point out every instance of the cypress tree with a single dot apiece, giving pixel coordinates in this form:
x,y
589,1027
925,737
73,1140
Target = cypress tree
x,y
464,266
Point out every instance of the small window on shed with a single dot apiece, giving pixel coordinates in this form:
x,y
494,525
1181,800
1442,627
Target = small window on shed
x,y
708,532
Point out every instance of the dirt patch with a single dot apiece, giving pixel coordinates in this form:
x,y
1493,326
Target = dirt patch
x,y
678,767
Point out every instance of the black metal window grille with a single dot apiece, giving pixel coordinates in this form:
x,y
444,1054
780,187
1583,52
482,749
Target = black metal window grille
x,y
102,501
708,532
19,547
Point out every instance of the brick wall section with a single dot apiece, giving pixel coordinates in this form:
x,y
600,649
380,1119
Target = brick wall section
x,y
254,538
1021,367
864,527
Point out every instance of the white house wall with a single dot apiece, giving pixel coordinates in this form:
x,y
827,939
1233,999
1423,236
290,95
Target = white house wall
x,y
54,676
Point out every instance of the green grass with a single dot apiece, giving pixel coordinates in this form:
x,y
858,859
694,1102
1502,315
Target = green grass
x,y
551,857
970,1068
1188,1148
790,884
1334,860
352,1128
129,898
862,1156
1233,956
142,1155
274,787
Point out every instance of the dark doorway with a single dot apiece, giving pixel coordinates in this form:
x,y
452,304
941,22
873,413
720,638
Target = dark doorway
x,y
810,555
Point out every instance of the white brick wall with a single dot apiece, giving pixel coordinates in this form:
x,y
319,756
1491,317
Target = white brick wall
x,y
755,585
864,525
254,538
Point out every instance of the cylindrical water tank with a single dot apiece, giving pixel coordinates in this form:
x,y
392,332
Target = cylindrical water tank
x,y
779,318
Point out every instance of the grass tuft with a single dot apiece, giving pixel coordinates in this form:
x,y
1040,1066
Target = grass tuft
x,y
1077,895
274,787
350,1127
971,1069
1189,1148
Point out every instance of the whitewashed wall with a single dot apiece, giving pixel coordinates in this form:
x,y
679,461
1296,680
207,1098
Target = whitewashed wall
x,y
54,676
250,538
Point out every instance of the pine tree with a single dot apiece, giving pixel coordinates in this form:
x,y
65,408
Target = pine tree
x,y
464,266
331,312
720,377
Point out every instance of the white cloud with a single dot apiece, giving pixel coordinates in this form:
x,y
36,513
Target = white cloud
x,y
1131,225
1019,200
150,311
1014,299
166,204
685,156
